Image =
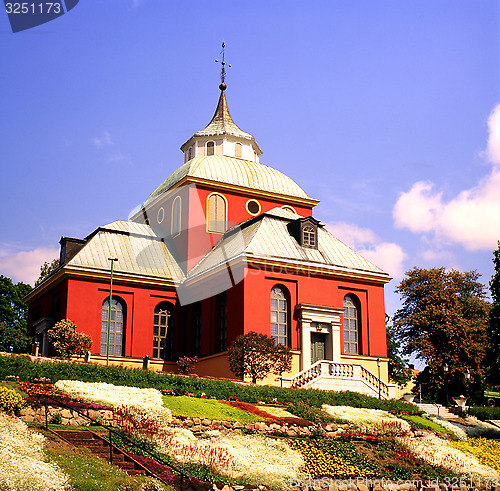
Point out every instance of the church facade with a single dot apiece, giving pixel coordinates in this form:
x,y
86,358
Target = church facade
x,y
224,246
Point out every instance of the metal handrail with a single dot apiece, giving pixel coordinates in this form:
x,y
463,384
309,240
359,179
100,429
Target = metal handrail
x,y
112,430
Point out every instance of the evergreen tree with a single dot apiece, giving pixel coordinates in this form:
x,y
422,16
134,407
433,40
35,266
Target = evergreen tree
x,y
494,330
13,315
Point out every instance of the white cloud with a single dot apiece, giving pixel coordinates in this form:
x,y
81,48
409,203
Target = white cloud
x,y
386,255
471,218
493,150
103,141
25,265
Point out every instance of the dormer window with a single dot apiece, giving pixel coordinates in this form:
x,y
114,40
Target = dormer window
x,y
305,231
210,148
309,236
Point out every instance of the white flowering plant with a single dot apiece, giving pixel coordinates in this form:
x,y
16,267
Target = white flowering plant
x,y
142,403
23,465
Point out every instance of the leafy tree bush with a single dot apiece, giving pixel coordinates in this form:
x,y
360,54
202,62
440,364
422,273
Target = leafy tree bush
x,y
444,321
66,341
257,355
13,316
186,364
46,269
399,372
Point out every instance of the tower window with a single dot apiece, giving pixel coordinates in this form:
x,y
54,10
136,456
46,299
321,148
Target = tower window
x,y
216,214
210,148
238,150
176,216
253,207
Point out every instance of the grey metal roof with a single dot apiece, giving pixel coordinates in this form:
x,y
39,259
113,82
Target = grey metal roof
x,y
138,250
267,237
222,123
235,171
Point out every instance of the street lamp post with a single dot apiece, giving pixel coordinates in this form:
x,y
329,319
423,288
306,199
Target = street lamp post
x,y
446,368
112,259
467,381
378,365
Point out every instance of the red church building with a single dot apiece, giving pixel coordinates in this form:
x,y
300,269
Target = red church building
x,y
225,245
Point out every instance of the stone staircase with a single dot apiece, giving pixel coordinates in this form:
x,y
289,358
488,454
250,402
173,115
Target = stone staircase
x,y
329,375
100,448
436,410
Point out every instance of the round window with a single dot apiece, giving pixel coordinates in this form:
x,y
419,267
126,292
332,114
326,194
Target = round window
x,y
161,215
253,207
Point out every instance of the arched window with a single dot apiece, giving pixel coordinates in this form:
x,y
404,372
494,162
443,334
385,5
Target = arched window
x,y
309,236
216,214
116,328
351,325
210,148
162,331
238,150
279,315
190,153
176,216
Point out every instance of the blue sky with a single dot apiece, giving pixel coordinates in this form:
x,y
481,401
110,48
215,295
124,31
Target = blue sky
x,y
386,111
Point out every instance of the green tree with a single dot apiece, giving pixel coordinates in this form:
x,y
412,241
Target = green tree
x,y
46,269
444,321
399,372
66,341
257,355
13,316
494,330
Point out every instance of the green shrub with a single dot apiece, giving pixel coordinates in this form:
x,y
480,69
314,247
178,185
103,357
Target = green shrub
x,y
218,389
305,411
10,400
484,413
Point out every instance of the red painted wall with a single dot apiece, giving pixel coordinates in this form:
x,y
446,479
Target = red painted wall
x,y
85,299
316,291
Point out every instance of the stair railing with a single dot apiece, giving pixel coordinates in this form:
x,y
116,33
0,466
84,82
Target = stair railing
x,y
123,437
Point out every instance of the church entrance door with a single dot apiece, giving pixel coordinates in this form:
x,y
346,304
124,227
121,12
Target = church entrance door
x,y
318,342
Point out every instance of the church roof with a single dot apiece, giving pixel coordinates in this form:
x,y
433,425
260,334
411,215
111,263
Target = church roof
x,y
234,171
140,252
267,237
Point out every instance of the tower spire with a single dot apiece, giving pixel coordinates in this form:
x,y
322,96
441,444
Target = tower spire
x,y
223,85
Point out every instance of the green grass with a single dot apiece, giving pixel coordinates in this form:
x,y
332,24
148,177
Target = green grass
x,y
422,422
207,408
87,473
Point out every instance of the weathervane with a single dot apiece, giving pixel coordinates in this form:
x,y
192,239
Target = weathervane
x,y
223,85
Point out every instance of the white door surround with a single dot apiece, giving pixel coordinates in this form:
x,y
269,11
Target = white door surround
x,y
324,320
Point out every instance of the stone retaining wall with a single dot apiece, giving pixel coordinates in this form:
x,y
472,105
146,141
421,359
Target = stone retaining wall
x,y
203,424
68,416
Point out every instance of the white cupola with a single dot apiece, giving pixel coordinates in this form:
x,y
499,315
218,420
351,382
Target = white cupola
x,y
222,137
